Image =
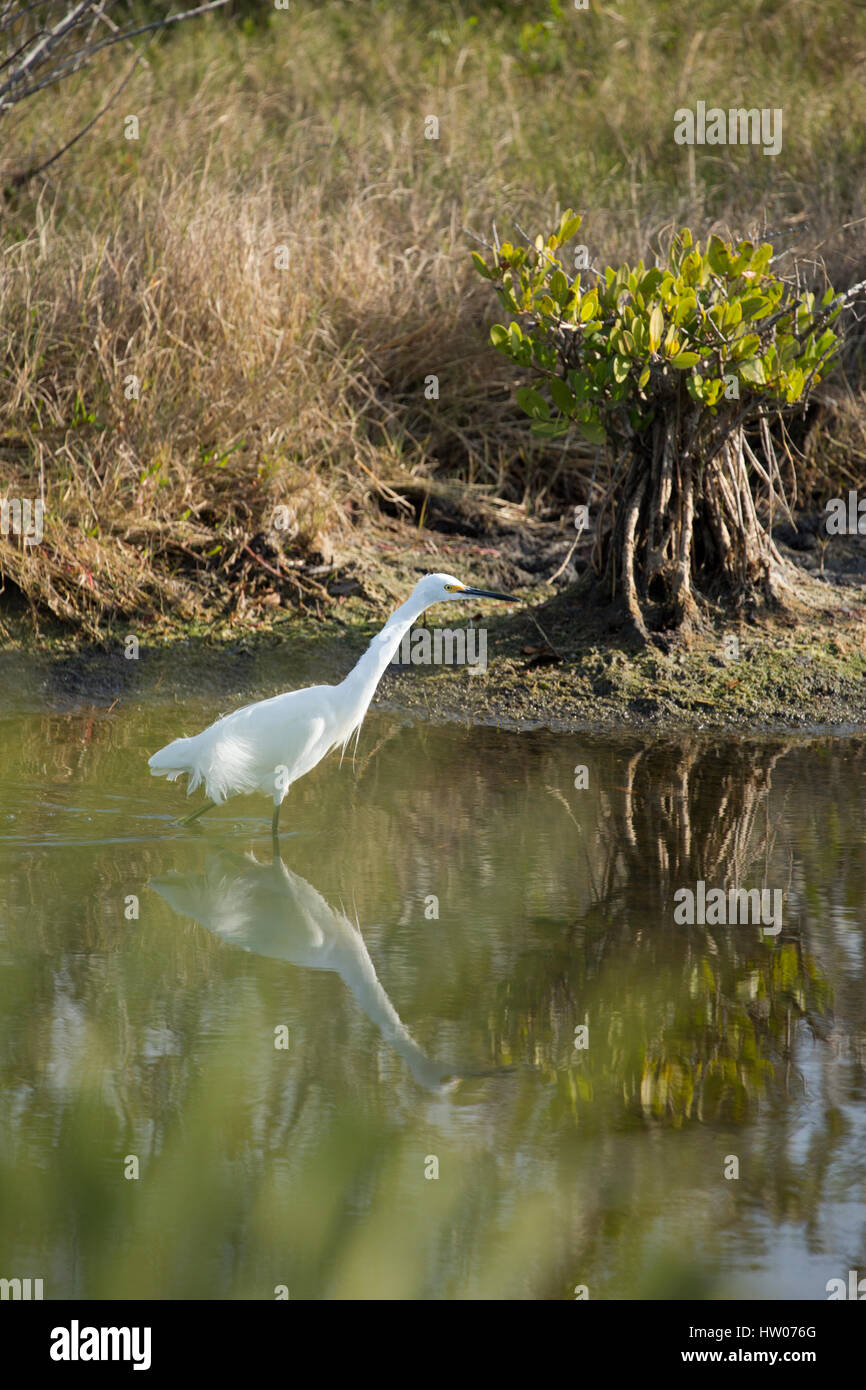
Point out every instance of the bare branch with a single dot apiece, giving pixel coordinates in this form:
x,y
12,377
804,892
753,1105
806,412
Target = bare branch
x,y
43,57
38,50
26,175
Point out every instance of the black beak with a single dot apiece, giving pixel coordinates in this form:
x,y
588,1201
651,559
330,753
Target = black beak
x,y
488,593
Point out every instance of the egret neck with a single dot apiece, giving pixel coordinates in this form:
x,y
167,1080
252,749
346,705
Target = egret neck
x,y
365,675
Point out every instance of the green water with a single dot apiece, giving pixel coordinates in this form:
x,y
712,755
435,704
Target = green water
x,y
445,915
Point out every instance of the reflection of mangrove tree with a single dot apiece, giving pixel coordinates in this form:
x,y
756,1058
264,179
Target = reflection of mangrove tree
x,y
147,1037
707,1017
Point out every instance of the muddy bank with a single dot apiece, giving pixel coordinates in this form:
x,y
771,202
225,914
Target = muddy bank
x,y
777,683
555,659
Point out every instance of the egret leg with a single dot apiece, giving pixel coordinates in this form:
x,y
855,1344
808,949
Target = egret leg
x,y
188,820
275,824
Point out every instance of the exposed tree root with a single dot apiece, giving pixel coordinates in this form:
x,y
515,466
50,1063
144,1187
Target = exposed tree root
x,y
684,536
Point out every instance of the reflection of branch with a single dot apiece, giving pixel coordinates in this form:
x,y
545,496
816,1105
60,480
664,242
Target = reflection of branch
x,y
363,763
628,805
555,792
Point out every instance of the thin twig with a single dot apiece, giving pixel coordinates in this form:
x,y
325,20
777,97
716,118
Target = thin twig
x,y
18,179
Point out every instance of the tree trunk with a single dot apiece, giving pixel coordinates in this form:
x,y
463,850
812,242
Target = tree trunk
x,y
684,534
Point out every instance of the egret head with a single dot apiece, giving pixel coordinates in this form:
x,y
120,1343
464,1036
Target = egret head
x,y
437,588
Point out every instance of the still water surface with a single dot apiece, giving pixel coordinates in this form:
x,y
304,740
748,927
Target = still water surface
x,y
290,1051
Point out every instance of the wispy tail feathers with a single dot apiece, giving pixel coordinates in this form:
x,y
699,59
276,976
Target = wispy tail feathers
x,y
172,760
226,766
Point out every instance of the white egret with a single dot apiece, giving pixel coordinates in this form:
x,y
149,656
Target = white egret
x,y
267,746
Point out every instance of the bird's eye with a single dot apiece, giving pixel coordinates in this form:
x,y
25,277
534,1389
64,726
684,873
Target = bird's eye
x,y
454,588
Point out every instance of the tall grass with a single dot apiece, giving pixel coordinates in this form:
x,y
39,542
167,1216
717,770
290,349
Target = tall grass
x,y
304,129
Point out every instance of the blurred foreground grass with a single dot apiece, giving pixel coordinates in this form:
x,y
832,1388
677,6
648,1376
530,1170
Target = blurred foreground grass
x,y
259,1167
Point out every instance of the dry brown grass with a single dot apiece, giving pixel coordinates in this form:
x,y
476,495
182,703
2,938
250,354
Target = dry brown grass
x,y
304,388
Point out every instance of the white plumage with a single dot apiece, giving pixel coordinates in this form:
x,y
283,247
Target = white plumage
x,y
243,751
268,909
267,746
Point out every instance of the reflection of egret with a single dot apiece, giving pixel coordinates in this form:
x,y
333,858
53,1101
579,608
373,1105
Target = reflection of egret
x,y
267,746
267,909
